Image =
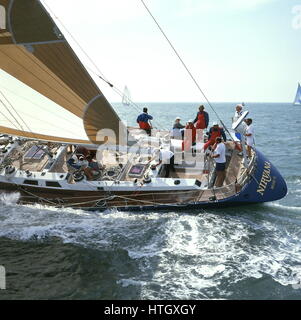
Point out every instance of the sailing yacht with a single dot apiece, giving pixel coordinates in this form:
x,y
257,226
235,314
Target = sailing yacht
x,y
297,100
126,97
123,170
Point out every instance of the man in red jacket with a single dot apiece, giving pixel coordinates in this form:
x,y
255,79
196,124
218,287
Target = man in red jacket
x,y
143,121
189,136
214,132
202,119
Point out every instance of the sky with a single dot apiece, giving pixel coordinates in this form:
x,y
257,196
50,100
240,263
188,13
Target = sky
x,y
237,50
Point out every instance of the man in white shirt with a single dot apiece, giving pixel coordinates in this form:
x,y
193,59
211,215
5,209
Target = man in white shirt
x,y
166,157
238,112
241,128
219,155
249,136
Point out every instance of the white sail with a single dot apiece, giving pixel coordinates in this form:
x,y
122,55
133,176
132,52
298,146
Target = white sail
x,y
126,97
23,109
35,52
298,96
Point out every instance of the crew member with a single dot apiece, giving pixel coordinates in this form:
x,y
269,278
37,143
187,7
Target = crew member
x,y
79,162
202,119
168,159
214,132
177,130
238,113
178,124
143,121
219,155
250,136
189,136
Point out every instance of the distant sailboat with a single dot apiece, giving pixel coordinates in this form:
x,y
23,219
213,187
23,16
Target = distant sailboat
x,y
126,97
298,96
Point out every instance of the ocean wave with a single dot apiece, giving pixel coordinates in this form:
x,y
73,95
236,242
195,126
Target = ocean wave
x,y
71,225
293,179
9,198
184,256
278,205
202,253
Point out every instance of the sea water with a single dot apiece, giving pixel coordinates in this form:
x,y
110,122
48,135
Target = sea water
x,y
247,252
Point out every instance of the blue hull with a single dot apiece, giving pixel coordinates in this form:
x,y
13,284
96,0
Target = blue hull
x,y
266,184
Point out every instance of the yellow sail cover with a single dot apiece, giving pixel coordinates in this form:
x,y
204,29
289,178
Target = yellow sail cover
x,y
34,51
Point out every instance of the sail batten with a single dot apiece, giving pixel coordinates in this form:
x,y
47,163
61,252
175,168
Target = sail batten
x,y
34,51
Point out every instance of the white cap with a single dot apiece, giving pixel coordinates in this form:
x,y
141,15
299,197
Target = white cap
x,y
215,123
190,120
178,118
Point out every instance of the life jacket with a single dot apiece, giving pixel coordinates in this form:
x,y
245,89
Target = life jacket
x,y
144,125
215,134
201,123
189,137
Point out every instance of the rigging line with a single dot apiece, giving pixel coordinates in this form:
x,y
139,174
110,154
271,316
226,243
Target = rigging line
x,y
46,84
7,109
42,81
46,70
50,123
77,43
33,103
58,57
133,104
10,104
99,74
33,134
138,109
7,117
184,65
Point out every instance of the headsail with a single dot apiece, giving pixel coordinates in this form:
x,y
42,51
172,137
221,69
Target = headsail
x,y
298,96
34,51
126,97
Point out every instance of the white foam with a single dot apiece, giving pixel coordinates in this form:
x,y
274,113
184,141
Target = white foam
x,y
186,256
130,282
202,252
278,205
9,198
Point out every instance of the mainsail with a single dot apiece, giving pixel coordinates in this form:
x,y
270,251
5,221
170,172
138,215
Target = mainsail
x,y
298,96
34,51
126,97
